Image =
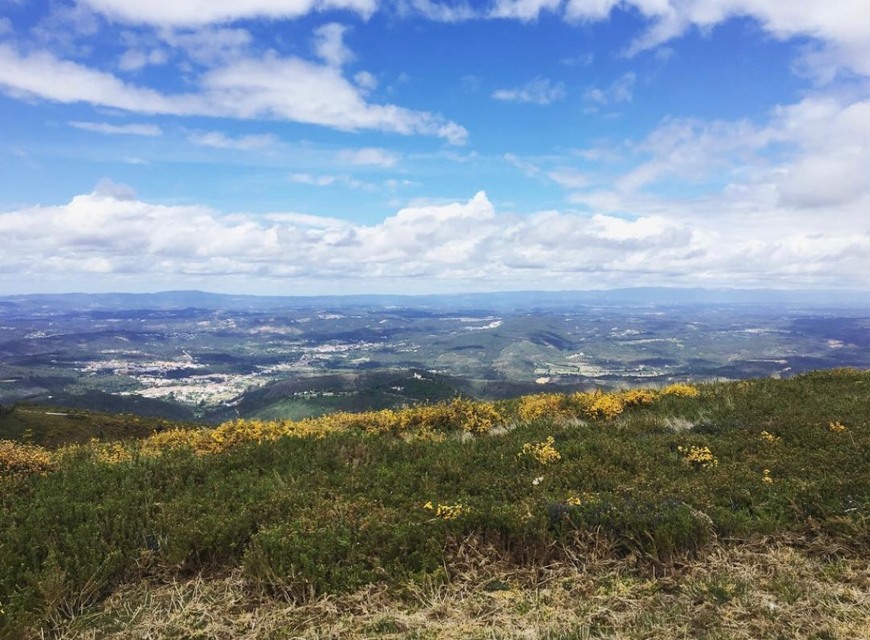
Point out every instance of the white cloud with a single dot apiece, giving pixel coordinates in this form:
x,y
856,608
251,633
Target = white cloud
x,y
293,89
327,180
250,88
438,11
209,45
525,10
782,202
810,154
619,91
529,168
119,129
135,59
569,178
694,150
5,26
218,140
365,80
579,60
457,244
193,13
329,44
63,25
43,75
369,156
841,26
315,181
539,91
832,142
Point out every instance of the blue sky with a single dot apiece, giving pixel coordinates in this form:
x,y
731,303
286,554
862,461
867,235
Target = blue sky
x,y
411,146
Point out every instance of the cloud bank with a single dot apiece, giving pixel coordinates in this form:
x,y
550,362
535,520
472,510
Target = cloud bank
x,y
111,238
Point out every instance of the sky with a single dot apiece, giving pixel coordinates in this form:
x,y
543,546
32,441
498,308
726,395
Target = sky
x,y
309,147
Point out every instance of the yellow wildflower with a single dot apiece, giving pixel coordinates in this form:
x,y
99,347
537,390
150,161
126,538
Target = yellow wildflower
x,y
681,390
698,457
543,452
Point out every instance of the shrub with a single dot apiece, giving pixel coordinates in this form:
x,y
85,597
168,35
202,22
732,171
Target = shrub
x,y
21,460
548,406
681,390
654,529
309,557
698,457
542,452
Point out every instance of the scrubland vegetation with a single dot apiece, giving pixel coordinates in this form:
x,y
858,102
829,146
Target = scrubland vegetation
x,y
720,510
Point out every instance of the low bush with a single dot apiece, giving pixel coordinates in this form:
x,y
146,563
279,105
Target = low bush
x,y
329,504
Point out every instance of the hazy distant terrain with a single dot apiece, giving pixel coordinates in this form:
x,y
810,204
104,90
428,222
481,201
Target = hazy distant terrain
x,y
206,356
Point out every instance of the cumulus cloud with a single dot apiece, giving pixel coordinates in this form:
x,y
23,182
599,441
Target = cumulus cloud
x,y
540,91
463,244
832,142
329,44
841,26
807,155
250,88
782,202
149,130
175,13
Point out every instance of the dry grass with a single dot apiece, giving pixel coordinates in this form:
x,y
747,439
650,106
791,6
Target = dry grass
x,y
760,590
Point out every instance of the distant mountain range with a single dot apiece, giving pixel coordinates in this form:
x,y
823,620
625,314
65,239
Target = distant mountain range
x,y
659,296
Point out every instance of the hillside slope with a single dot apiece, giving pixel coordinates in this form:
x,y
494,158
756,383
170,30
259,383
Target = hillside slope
x,y
735,510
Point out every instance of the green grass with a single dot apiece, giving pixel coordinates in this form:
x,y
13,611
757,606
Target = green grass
x,y
303,517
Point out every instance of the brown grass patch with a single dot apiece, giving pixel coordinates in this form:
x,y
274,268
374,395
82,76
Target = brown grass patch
x,y
752,591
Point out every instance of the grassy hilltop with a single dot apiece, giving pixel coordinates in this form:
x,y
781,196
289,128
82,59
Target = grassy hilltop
x,y
728,510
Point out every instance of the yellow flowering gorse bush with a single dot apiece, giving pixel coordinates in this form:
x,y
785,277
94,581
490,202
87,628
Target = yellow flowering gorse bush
x,y
447,511
698,457
553,406
837,427
111,452
605,405
681,390
769,438
428,422
543,452
20,460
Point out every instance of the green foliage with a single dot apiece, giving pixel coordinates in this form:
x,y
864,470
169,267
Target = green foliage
x,y
323,511
657,529
341,551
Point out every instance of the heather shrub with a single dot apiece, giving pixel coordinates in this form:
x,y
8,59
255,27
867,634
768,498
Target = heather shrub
x,y
657,529
330,504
